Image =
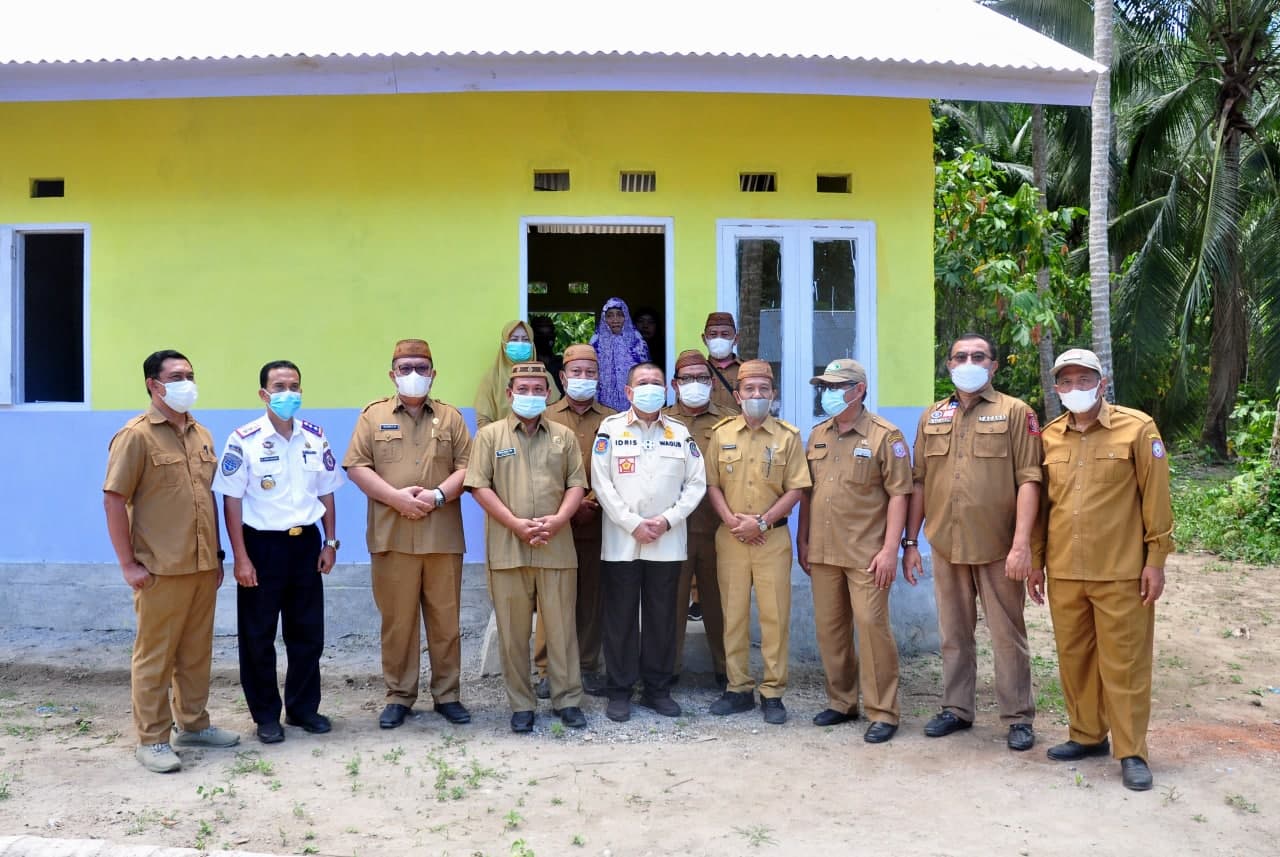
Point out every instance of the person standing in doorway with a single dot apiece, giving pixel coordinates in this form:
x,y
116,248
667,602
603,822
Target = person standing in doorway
x,y
721,338
619,346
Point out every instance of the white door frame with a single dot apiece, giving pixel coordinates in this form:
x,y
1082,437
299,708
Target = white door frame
x,y
12,265
669,263
797,313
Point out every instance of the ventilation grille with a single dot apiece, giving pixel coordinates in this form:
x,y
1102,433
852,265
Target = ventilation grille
x,y
758,182
551,180
45,188
637,182
596,229
835,183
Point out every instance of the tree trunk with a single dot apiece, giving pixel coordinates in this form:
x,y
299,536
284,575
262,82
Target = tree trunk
x,y
1275,439
1052,407
1229,342
1099,193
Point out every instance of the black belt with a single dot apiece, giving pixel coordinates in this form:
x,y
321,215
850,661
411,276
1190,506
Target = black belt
x,y
292,531
777,524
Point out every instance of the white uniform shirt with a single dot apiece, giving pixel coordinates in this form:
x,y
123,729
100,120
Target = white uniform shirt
x,y
639,472
280,481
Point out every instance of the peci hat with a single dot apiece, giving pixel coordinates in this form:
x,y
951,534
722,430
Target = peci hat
x,y
843,371
526,370
580,352
411,348
719,318
754,369
1077,357
690,357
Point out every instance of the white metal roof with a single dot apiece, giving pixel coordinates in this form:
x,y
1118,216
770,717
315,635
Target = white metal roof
x,y
61,49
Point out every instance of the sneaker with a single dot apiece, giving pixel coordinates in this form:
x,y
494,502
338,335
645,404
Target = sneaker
x,y
210,736
733,703
695,612
774,711
158,758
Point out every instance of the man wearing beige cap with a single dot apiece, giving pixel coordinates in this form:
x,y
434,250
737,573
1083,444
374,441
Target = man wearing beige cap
x,y
850,524
977,490
693,383
582,412
720,335
1104,539
408,454
757,476
528,476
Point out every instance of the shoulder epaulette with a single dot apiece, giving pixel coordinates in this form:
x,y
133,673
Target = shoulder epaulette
x,y
724,421
313,428
1059,418
375,402
249,430
788,426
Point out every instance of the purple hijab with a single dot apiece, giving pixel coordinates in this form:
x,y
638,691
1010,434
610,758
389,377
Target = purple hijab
x,y
617,354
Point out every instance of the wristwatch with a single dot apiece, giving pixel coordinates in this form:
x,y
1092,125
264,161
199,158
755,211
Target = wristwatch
x,y
909,543
440,498
764,528
332,543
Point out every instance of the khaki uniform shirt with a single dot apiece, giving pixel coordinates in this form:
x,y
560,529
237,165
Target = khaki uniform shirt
x,y
754,467
1107,497
971,463
530,474
585,426
166,478
405,451
704,519
639,473
720,395
854,475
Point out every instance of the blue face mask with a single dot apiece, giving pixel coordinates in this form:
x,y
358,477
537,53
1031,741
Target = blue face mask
x,y
648,398
528,407
833,403
285,404
518,352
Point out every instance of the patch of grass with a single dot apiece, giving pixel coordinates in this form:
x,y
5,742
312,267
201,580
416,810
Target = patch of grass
x,y
1049,695
578,840
250,762
393,755
203,832
1240,802
756,835
557,730
557,801
478,774
5,780
1237,518
513,820
1198,818
26,733
209,793
1235,679
520,848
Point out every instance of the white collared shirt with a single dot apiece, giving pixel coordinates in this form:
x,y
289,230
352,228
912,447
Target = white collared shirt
x,y
639,472
280,481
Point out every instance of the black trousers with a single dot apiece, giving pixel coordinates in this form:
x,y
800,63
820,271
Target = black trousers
x,y
635,649
289,587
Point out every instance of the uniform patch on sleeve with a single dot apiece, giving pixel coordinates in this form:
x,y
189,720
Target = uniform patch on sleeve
x,y
231,463
1157,448
313,428
627,464
899,449
693,448
602,444
1033,423
329,461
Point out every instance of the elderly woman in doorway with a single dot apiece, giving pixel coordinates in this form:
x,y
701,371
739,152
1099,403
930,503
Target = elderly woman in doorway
x,y
619,346
516,346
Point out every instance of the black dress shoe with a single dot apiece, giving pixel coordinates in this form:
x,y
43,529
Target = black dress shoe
x,y
522,721
944,723
661,703
1135,773
618,710
393,715
593,684
1070,751
722,681
879,732
315,723
831,717
453,712
270,733
1021,737
733,703
571,716
773,709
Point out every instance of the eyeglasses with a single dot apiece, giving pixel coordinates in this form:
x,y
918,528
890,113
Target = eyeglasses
x,y
974,357
693,379
407,369
822,388
1081,382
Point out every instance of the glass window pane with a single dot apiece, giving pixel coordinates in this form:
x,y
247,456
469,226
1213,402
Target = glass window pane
x,y
760,305
834,316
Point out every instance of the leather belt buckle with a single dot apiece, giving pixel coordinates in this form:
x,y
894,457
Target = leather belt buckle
x,y
295,531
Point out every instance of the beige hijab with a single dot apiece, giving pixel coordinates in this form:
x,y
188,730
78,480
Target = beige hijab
x,y
491,398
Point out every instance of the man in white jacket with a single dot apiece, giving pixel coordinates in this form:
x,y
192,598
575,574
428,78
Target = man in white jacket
x,y
648,476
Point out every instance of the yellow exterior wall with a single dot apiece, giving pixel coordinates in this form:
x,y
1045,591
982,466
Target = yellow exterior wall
x,y
321,229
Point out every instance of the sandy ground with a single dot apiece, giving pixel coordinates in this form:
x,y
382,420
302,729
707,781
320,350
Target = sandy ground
x,y
694,785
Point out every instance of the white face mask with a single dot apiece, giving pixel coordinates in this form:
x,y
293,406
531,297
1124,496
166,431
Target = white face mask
x,y
581,389
648,398
413,385
695,394
1079,401
180,395
970,377
719,348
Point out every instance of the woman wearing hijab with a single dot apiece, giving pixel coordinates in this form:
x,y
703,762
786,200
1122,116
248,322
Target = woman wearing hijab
x,y
619,346
516,347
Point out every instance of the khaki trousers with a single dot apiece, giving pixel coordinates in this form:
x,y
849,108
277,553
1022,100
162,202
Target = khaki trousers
x,y
588,611
701,565
173,648
767,569
845,600
957,588
514,592
409,589
1105,637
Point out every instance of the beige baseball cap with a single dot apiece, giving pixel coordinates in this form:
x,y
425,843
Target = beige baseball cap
x,y
843,371
1077,357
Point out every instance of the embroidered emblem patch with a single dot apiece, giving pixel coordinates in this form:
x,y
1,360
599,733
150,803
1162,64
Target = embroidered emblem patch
x,y
602,445
693,449
231,463
627,464
1033,424
329,461
899,449
1157,448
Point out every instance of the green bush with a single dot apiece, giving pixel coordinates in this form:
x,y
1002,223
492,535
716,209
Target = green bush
x,y
1237,518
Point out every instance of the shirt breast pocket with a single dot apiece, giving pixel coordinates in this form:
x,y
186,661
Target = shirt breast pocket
x,y
729,462
208,461
169,467
1112,464
991,440
817,459
671,460
860,473
388,447
312,460
937,439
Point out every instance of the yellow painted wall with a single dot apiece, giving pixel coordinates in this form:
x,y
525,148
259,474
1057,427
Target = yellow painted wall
x,y
323,228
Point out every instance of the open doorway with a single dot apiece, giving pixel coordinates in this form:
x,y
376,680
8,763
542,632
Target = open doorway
x,y
571,266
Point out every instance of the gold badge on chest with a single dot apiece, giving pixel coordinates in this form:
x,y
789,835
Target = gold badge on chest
x,y
267,483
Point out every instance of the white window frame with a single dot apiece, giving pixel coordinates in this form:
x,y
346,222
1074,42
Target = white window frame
x,y
797,304
11,306
669,263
